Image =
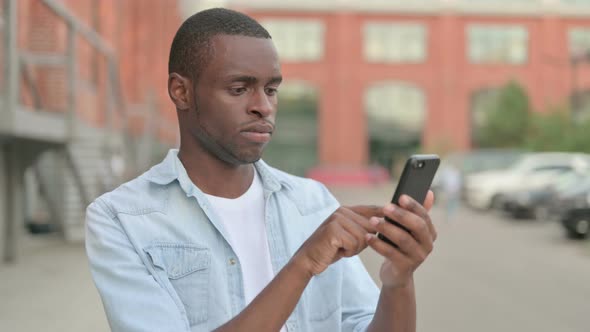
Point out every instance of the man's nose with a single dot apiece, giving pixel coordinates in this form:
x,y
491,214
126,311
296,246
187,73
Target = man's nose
x,y
262,104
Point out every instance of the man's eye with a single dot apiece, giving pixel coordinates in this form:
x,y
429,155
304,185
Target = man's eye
x,y
271,91
237,91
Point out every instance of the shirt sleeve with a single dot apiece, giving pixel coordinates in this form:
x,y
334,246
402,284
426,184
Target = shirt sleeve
x,y
360,296
133,300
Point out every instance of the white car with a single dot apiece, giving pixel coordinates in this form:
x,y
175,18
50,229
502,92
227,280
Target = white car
x,y
486,189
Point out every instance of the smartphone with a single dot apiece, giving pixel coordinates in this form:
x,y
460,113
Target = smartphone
x,y
415,182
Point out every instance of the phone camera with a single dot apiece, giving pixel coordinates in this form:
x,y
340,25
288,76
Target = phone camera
x,y
418,164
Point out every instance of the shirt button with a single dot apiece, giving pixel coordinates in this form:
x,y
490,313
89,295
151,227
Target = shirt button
x,y
232,261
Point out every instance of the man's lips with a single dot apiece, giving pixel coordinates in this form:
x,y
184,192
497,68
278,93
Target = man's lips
x,y
259,133
256,137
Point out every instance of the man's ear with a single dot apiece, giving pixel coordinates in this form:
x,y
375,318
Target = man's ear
x,y
180,90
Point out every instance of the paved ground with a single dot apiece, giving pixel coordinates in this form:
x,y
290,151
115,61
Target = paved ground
x,y
49,289
488,273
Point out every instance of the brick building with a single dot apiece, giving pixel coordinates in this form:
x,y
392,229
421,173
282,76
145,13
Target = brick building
x,y
139,34
419,71
83,106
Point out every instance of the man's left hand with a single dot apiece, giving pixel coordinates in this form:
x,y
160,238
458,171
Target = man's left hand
x,y
413,247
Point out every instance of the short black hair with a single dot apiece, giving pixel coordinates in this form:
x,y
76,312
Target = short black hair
x,y
191,47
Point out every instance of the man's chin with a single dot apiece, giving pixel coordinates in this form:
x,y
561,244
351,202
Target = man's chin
x,y
250,160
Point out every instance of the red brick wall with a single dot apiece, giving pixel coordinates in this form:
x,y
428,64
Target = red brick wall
x,y
446,77
139,31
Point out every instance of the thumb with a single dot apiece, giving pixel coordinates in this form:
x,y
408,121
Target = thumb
x,y
429,201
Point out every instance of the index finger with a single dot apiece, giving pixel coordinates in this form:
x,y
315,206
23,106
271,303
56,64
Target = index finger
x,y
360,219
367,211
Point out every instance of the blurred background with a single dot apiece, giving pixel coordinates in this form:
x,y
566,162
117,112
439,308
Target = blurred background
x,y
499,89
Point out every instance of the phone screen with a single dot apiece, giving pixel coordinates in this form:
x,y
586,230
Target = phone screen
x,y
415,182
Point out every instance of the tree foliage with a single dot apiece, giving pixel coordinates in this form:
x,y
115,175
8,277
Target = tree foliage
x,y
555,131
511,123
507,118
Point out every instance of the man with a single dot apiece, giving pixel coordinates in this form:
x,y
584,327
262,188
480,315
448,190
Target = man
x,y
214,239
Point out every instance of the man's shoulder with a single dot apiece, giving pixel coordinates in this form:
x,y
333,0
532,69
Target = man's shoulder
x,y
137,196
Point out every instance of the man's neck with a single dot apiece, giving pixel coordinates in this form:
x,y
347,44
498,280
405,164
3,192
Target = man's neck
x,y
216,177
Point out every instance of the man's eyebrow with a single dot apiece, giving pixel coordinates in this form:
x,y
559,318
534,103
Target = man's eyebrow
x,y
243,78
276,80
253,80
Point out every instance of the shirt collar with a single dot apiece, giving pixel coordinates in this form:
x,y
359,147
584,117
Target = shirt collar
x,y
166,171
171,169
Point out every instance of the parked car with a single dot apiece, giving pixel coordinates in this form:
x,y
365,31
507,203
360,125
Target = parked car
x,y
572,198
537,187
577,222
485,190
573,208
475,161
539,203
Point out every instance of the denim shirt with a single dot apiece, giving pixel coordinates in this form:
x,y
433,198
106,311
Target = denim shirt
x,y
161,262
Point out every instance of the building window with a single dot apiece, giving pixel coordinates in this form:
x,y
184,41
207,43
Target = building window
x,y
297,40
394,42
482,102
294,144
395,111
396,114
579,41
497,44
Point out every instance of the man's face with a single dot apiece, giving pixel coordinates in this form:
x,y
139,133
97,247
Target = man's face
x,y
236,99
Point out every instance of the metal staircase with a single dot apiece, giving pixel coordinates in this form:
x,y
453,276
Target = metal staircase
x,y
72,160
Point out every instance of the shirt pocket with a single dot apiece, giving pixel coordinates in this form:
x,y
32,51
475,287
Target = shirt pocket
x,y
187,268
324,295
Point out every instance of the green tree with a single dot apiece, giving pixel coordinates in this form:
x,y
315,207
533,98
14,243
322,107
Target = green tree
x,y
549,131
555,131
581,137
507,118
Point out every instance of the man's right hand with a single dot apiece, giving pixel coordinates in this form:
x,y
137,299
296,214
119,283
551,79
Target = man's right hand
x,y
343,234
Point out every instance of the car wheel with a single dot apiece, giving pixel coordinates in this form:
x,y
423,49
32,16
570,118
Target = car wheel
x,y
571,234
582,227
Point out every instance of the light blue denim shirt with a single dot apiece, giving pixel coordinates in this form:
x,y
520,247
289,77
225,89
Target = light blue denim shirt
x,y
161,262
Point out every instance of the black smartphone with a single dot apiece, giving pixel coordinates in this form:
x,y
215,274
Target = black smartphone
x,y
415,182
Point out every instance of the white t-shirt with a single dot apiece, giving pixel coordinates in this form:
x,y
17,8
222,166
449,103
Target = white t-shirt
x,y
244,220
